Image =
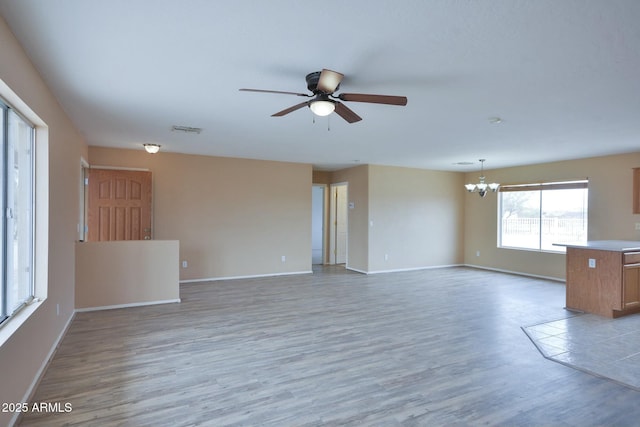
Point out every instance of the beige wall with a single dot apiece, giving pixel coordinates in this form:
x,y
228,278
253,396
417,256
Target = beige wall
x,y
134,272
417,216
233,217
414,216
610,211
24,354
322,177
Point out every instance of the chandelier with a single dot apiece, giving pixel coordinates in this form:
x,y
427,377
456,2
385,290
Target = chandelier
x,y
481,188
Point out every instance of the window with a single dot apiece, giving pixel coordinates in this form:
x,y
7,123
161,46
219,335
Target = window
x,y
535,216
17,206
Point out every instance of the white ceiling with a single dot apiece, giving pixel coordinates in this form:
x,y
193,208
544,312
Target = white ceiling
x,y
564,76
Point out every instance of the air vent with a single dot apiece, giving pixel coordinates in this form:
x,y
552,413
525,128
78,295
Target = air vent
x,y
186,129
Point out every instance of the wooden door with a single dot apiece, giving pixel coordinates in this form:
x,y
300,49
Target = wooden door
x,y
631,286
119,205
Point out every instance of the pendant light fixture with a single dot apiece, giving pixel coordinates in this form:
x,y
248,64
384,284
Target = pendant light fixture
x,y
152,148
481,188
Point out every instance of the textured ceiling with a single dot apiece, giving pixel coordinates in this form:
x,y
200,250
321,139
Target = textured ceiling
x,y
562,75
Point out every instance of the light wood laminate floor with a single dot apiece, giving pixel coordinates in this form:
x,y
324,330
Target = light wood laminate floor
x,y
422,348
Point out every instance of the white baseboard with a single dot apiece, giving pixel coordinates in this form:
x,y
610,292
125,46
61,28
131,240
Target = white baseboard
x,y
253,276
399,270
134,304
43,368
519,273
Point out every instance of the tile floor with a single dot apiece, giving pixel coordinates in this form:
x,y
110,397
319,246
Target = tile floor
x,y
597,345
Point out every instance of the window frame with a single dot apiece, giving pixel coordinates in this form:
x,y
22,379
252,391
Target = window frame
x,y
6,174
4,110
41,175
541,187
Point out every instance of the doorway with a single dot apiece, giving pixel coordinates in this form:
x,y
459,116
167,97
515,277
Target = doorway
x,y
317,224
119,205
338,233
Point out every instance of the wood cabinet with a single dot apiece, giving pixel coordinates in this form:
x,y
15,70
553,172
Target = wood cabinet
x,y
631,281
604,282
596,289
636,190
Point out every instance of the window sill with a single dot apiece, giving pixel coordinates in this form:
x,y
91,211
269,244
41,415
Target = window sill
x,y
546,251
12,324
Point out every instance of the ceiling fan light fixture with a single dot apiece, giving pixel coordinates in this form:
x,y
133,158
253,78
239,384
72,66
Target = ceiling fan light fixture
x,y
322,107
151,148
323,86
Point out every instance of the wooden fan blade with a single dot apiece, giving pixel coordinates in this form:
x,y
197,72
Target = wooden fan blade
x,y
346,113
290,109
329,81
275,91
374,99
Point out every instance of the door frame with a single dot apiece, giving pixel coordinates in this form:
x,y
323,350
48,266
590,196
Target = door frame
x,y
84,201
333,232
325,222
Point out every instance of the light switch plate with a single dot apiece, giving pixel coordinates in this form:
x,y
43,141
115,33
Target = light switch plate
x,y
592,263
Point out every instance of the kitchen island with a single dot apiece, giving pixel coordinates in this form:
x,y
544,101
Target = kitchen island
x,y
603,277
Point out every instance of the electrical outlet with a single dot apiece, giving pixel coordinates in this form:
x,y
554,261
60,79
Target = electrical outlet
x,y
284,258
477,253
592,263
185,264
637,226
386,257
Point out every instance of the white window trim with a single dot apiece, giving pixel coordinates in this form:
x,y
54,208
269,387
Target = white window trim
x,y
540,186
41,213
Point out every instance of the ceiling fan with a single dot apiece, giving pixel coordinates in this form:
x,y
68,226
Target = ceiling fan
x,y
323,85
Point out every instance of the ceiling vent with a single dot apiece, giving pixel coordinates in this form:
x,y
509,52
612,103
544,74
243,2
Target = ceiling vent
x,y
186,129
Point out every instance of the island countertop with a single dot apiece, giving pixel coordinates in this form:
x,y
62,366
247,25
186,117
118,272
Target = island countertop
x,y
606,245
